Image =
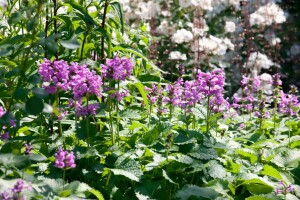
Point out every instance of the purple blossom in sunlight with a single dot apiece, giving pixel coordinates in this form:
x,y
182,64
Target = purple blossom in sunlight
x,y
5,195
83,81
117,68
56,74
28,148
174,93
2,111
219,104
15,192
211,83
154,93
64,159
191,94
83,110
20,186
62,114
288,104
120,95
284,189
276,80
250,85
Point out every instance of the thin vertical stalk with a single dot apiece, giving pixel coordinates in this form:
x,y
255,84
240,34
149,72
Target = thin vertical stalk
x,y
64,177
55,23
110,121
103,26
149,118
207,115
87,122
118,122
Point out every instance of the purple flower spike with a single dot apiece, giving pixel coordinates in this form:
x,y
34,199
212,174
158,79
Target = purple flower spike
x,y
2,111
64,159
28,148
117,68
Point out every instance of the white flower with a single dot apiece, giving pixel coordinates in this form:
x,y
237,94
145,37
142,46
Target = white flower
x,y
258,61
203,4
267,15
182,36
265,84
185,3
229,26
176,55
3,4
214,45
163,28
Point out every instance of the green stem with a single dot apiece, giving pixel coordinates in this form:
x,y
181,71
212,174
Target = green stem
x,y
64,176
118,122
149,118
108,179
207,115
110,121
87,122
290,131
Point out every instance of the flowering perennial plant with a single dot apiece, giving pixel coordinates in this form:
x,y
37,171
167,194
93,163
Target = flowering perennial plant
x,y
16,191
64,159
117,68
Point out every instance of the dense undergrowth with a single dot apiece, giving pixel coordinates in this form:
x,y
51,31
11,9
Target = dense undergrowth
x,y
85,115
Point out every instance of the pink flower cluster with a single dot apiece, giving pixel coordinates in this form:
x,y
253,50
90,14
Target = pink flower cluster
x,y
78,79
64,159
16,191
117,68
186,94
288,104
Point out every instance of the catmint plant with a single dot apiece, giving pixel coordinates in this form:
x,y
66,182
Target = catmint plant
x,y
16,191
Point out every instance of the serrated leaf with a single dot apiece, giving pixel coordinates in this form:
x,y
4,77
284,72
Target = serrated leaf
x,y
126,174
271,171
181,158
258,186
287,158
248,153
203,153
165,175
192,190
215,170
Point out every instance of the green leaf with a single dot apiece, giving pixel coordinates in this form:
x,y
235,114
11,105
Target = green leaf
x,y
34,105
70,44
97,194
128,168
165,175
192,190
15,18
258,186
271,171
118,9
287,158
215,170
84,14
203,153
258,198
248,153
141,89
126,174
